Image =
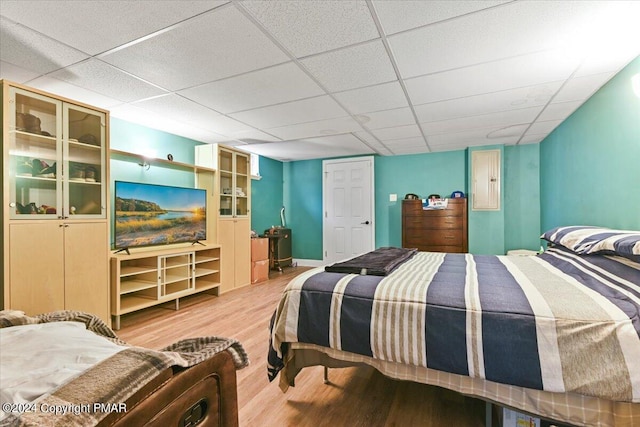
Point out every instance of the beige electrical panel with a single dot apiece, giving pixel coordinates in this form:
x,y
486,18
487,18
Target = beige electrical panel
x,y
485,177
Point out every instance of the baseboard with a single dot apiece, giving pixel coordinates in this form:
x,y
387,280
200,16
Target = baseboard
x,y
309,262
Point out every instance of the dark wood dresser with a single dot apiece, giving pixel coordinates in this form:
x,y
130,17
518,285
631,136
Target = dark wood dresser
x,y
438,230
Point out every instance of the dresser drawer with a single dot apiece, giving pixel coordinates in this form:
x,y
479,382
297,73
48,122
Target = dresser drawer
x,y
411,223
452,237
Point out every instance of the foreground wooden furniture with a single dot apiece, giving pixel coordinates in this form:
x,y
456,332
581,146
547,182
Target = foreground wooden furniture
x,y
437,230
55,214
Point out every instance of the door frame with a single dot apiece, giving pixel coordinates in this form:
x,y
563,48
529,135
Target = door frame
x,y
372,213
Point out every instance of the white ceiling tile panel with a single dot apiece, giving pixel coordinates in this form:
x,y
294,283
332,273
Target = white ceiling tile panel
x,y
253,136
96,26
97,76
16,74
384,96
532,139
388,118
543,127
306,110
505,100
399,132
513,29
273,85
493,120
397,16
30,50
340,145
178,108
581,88
353,67
521,71
477,137
416,141
559,110
410,150
150,119
71,91
310,27
211,46
335,126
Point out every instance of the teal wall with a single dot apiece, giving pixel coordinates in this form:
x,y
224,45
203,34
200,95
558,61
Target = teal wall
x,y
522,197
590,164
266,196
422,174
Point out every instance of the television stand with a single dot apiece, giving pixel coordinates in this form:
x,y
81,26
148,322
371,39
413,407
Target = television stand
x,y
198,242
122,250
145,279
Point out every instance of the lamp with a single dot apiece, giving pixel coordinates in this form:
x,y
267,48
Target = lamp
x,y
144,164
635,84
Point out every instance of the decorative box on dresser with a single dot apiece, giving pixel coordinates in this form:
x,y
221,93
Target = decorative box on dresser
x,y
435,230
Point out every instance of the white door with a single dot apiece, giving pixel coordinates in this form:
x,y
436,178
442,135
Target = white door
x,y
348,195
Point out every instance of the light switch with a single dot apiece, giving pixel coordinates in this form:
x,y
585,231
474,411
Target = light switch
x,y
393,197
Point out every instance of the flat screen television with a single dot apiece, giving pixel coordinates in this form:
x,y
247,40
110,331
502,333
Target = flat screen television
x,y
150,214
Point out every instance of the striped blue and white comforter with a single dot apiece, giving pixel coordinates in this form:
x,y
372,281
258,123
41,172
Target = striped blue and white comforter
x,y
557,322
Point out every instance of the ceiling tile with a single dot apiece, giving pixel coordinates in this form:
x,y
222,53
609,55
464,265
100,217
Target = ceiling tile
x,y
353,67
16,74
150,119
543,127
399,132
339,145
416,141
178,108
97,76
504,119
492,34
253,137
306,110
559,110
581,88
119,21
476,137
310,27
52,85
388,118
532,139
505,100
522,71
384,96
33,51
397,151
335,126
396,16
273,85
211,46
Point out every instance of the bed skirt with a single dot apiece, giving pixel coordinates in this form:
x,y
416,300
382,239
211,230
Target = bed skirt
x,y
570,408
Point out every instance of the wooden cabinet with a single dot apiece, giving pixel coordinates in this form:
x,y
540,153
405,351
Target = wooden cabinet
x,y
437,230
144,279
232,195
55,206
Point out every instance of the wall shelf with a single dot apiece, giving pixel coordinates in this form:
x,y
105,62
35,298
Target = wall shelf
x,y
163,163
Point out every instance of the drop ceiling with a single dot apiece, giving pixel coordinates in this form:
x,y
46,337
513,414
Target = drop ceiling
x,y
307,79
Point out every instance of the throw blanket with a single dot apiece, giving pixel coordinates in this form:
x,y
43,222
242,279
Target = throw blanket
x,y
380,262
558,322
117,378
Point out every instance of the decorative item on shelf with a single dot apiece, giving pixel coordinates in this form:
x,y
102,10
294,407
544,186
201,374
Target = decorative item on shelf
x,y
457,195
89,138
76,172
28,123
90,174
41,169
411,196
170,157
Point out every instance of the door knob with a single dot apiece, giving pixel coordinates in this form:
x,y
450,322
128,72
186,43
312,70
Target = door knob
x,y
366,222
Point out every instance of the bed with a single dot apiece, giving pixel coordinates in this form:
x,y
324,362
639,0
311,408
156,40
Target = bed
x,y
556,335
68,368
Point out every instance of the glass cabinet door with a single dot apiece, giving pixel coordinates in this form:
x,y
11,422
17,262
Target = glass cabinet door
x,y
233,169
242,181
84,151
35,155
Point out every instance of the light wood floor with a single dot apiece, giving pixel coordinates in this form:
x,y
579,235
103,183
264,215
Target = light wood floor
x,y
355,397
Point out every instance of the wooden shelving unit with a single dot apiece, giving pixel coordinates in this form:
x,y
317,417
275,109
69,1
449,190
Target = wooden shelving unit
x,y
151,277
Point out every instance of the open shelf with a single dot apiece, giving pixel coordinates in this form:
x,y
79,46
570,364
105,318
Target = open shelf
x,y
144,279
